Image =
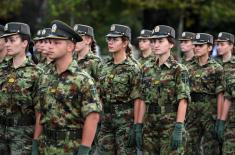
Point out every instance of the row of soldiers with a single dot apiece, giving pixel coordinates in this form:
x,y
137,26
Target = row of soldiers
x,y
74,103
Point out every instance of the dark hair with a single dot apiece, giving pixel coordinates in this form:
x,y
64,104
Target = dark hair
x,y
171,40
128,48
93,46
24,37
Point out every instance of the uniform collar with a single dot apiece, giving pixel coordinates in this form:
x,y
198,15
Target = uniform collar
x,y
168,62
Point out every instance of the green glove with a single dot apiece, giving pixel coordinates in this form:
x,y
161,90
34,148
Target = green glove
x,y
138,135
131,137
220,131
35,150
215,132
177,135
83,150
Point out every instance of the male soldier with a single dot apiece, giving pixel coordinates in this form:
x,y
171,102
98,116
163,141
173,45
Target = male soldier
x,y
18,81
68,105
225,47
187,47
37,45
144,45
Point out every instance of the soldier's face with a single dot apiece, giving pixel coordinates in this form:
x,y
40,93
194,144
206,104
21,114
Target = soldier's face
x,y
15,46
202,50
59,48
186,45
161,46
116,44
38,45
224,47
82,44
144,44
45,47
2,44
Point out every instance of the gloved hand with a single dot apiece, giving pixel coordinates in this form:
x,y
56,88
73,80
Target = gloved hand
x,y
83,150
177,135
138,135
215,132
131,137
220,131
35,150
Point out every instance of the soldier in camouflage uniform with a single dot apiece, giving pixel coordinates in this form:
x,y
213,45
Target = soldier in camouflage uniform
x,y
187,47
166,94
86,50
3,51
68,104
119,83
37,45
18,81
207,95
144,46
86,58
225,46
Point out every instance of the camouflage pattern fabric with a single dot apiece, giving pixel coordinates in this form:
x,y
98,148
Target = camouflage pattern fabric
x,y
162,88
64,101
91,64
187,63
119,88
205,83
142,59
229,82
18,88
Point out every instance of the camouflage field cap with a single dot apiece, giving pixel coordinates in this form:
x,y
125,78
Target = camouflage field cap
x,y
163,31
60,30
145,34
225,36
117,30
13,28
84,30
1,30
203,38
187,36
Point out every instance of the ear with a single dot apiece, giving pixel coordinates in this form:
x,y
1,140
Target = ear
x,y
171,46
70,46
25,43
210,48
125,43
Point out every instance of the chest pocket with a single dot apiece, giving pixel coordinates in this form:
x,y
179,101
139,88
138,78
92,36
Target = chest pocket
x,y
150,89
209,81
121,85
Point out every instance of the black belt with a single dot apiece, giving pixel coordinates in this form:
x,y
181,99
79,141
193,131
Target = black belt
x,y
156,109
116,107
59,134
23,120
201,97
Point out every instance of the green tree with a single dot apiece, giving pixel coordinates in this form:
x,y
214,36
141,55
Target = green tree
x,y
9,8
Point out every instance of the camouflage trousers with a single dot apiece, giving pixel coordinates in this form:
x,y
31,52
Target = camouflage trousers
x,y
16,140
48,146
200,126
113,135
157,135
229,141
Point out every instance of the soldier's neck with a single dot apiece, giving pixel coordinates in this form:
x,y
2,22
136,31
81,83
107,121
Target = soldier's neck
x,y
119,56
203,60
227,56
63,63
83,52
146,53
189,55
3,54
163,58
19,59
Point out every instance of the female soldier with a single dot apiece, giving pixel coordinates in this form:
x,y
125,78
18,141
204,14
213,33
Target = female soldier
x,y
86,50
144,46
187,47
206,92
166,94
225,47
118,91
18,82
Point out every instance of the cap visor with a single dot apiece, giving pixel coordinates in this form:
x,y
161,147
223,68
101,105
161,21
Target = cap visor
x,y
181,39
158,36
199,43
113,35
56,37
141,37
8,34
221,40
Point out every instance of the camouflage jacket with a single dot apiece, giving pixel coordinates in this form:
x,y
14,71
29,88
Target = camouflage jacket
x,y
206,79
91,64
120,82
229,78
65,99
187,63
164,85
142,59
18,87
